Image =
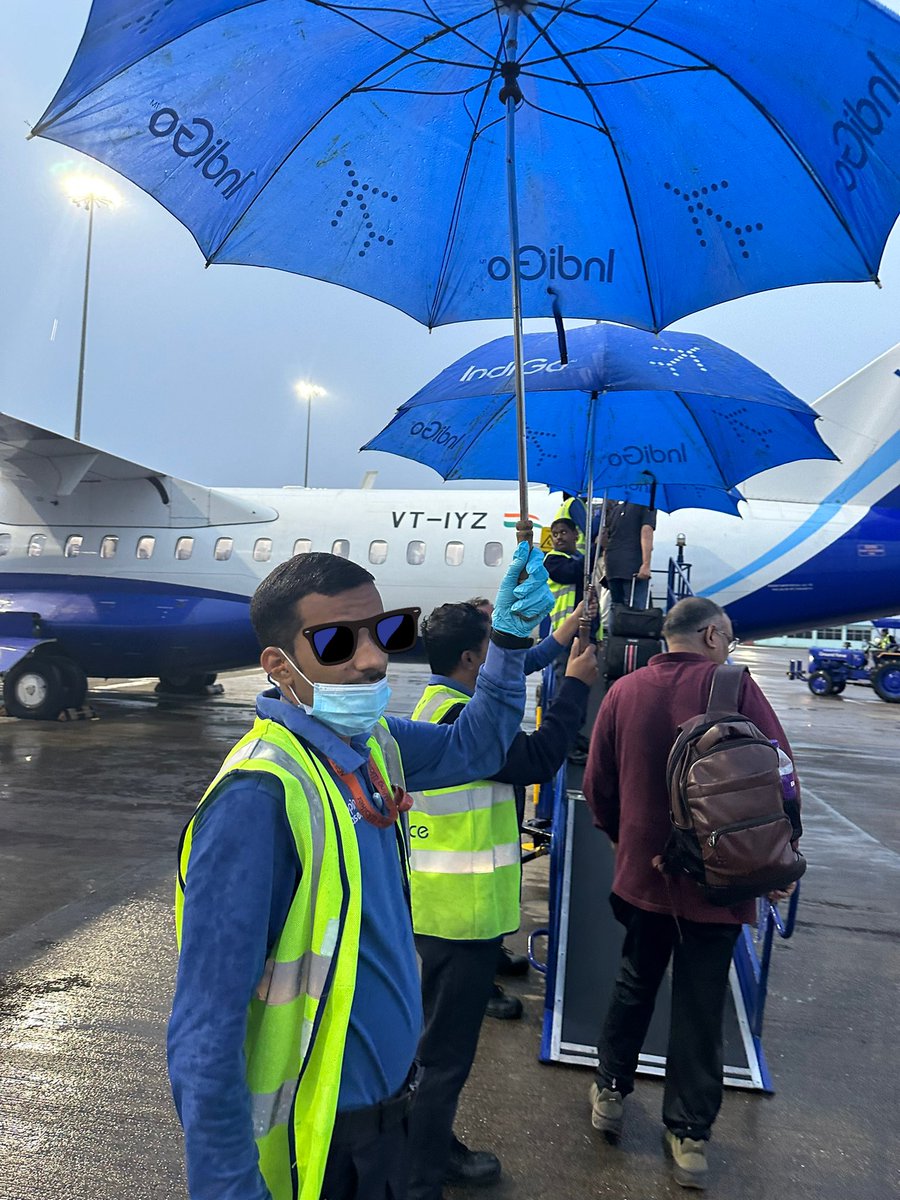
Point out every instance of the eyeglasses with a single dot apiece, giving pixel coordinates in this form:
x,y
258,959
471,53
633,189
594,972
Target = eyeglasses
x,y
392,632
733,642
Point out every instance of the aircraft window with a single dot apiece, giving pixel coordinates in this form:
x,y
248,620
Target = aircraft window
x,y
341,547
454,553
36,544
184,548
5,540
302,546
145,546
109,545
224,547
262,549
493,554
415,553
378,552
73,545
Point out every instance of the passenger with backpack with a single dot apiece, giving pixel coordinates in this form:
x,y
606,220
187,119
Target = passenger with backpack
x,y
699,801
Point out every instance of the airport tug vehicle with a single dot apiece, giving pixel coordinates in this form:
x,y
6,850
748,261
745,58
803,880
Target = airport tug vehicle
x,y
831,669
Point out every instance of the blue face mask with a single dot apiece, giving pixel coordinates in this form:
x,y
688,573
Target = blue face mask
x,y
348,709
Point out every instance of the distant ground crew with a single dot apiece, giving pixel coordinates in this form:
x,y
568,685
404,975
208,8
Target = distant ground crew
x,y
565,566
297,1007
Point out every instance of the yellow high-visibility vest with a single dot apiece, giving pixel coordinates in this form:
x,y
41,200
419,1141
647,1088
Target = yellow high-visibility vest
x,y
563,596
465,854
298,1018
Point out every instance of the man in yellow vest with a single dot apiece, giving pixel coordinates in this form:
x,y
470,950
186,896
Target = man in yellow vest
x,y
565,566
297,1007
466,874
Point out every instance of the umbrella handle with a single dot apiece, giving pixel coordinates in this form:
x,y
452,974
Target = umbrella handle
x,y
524,533
586,620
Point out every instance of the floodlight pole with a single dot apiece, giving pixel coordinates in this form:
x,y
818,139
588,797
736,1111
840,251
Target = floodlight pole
x,y
308,424
89,205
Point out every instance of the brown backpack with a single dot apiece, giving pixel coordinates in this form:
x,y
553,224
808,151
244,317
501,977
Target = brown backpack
x,y
732,830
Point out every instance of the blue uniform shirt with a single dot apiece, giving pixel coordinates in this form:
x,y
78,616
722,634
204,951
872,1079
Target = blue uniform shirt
x,y
242,876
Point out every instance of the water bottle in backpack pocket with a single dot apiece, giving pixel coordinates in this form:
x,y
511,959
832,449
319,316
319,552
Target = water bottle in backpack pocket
x,y
732,802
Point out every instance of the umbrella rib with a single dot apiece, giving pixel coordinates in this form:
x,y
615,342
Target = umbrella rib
x,y
453,224
710,447
593,103
133,63
491,419
769,117
356,89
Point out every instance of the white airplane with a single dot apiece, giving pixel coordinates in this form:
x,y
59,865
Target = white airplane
x,y
109,569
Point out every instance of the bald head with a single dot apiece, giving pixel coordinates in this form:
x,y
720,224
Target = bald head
x,y
698,626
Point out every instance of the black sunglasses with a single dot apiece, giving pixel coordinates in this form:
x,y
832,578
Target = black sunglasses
x,y
392,632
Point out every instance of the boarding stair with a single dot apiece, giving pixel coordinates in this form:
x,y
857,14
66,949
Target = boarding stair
x,y
578,950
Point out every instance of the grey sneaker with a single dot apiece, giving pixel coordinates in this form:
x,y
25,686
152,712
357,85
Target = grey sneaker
x,y
607,1111
688,1160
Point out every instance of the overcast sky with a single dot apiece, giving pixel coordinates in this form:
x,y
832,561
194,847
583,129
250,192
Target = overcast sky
x,y
189,370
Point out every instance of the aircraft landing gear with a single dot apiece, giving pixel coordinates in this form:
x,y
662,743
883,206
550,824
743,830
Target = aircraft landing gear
x,y
189,685
41,686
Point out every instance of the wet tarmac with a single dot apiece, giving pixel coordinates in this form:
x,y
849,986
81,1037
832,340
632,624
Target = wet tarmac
x,y
90,814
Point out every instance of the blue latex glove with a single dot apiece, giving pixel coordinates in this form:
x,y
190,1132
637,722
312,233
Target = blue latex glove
x,y
521,606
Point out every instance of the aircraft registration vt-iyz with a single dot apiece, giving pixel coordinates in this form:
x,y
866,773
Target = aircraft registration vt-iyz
x,y
110,569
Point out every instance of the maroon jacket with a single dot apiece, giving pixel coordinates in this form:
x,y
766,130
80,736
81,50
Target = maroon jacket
x,y
625,777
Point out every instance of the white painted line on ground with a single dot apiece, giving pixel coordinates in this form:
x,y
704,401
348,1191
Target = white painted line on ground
x,y
837,833
111,687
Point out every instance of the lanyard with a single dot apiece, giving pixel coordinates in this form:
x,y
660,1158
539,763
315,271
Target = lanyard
x,y
395,800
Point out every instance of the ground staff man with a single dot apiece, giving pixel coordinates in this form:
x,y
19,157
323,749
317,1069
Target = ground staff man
x,y
501,1005
625,786
627,543
297,1007
466,876
565,566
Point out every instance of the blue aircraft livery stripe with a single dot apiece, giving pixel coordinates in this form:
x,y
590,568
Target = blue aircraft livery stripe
x,y
843,494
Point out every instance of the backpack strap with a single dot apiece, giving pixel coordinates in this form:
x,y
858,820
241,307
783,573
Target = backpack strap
x,y
726,688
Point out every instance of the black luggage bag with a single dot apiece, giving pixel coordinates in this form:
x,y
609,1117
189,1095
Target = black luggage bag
x,y
634,637
626,654
629,622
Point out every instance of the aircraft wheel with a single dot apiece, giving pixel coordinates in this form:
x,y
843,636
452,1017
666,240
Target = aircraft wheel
x,y
186,685
74,680
34,690
820,683
886,682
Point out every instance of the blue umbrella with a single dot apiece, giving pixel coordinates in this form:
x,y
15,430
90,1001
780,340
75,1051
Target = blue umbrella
x,y
671,154
630,411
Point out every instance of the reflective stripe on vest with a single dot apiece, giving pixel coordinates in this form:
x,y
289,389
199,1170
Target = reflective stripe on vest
x,y
563,597
466,862
465,856
297,1020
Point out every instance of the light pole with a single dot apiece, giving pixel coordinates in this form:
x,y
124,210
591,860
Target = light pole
x,y
87,191
308,391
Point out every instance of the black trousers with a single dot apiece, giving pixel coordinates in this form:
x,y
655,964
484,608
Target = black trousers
x,y
456,985
700,961
369,1167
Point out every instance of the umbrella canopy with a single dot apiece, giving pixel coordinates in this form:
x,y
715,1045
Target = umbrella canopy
x,y
671,155
629,408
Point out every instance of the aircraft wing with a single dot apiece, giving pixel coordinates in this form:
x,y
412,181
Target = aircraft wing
x,y
32,457
58,463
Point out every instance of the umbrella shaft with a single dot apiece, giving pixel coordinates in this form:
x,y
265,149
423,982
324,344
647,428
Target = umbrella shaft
x,y
515,277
